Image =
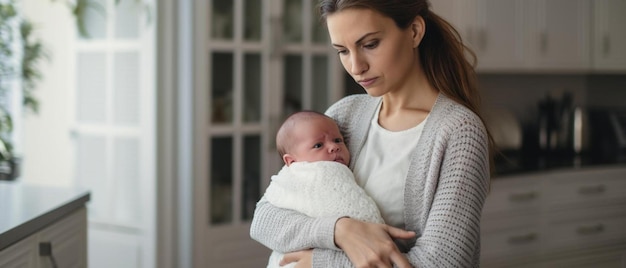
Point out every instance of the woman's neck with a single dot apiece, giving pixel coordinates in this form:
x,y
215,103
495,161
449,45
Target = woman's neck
x,y
407,107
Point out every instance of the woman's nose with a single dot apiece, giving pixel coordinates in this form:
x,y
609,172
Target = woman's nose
x,y
357,64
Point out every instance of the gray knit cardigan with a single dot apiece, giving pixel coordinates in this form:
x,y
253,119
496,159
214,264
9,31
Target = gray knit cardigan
x,y
445,190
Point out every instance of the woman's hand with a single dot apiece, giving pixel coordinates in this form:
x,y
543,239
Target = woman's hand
x,y
371,244
302,258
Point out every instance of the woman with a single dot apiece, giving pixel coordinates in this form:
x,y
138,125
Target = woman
x,y
419,147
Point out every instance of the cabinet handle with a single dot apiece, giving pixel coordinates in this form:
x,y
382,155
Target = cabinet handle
x,y
523,197
606,48
470,35
590,230
543,39
522,239
592,190
483,39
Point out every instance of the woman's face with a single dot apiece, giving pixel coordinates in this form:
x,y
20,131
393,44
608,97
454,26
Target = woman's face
x,y
380,56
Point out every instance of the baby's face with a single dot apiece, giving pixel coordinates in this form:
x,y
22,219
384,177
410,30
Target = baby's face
x,y
318,139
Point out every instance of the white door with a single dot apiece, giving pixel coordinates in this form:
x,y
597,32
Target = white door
x,y
257,62
114,133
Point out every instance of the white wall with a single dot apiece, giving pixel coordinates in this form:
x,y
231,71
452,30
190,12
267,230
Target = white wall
x,y
46,139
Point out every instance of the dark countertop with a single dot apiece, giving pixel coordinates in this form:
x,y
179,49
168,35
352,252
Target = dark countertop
x,y
515,163
26,209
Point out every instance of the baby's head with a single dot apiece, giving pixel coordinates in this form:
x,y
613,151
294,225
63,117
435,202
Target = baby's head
x,y
311,136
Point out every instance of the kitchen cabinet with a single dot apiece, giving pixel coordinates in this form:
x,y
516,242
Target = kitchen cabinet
x,y
35,214
568,218
523,36
496,33
609,37
493,29
68,238
559,35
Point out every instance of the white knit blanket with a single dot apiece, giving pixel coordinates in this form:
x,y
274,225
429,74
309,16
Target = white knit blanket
x,y
320,189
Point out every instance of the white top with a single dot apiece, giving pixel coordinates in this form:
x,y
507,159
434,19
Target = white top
x,y
383,165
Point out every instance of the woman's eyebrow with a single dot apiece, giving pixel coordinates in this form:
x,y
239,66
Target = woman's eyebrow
x,y
360,40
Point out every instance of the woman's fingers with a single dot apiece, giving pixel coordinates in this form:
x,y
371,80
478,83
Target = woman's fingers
x,y
399,233
302,258
370,244
400,260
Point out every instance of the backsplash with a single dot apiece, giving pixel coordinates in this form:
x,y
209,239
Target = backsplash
x,y
553,143
521,93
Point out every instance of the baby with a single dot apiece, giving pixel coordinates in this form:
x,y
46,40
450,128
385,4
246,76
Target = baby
x,y
315,179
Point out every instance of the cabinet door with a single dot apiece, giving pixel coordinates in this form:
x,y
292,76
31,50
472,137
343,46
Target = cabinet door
x,y
609,42
21,254
559,35
68,238
450,10
493,29
497,38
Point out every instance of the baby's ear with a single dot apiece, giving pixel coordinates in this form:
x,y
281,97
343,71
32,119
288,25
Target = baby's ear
x,y
288,159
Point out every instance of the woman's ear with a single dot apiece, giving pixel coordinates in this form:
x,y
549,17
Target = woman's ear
x,y
418,29
288,159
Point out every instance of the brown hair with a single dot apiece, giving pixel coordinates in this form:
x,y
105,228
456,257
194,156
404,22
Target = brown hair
x,y
443,55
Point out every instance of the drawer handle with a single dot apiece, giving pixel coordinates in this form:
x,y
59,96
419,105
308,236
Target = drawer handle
x,y
590,230
523,197
590,190
522,239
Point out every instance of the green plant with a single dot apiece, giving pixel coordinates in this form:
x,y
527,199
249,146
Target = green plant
x,y
79,9
20,54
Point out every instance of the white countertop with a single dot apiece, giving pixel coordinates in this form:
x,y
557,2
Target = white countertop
x,y
26,208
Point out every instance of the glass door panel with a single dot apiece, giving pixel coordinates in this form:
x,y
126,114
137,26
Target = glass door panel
x,y
292,21
319,34
319,93
252,20
222,87
292,100
222,20
252,88
221,172
251,175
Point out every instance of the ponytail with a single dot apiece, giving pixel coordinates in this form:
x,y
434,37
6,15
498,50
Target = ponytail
x,y
444,58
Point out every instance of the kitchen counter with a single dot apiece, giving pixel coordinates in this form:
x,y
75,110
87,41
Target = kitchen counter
x,y
25,209
515,163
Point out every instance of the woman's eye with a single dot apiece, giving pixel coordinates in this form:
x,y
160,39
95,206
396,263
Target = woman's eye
x,y
371,45
342,52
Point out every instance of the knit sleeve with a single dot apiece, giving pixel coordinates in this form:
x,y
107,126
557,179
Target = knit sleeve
x,y
286,230
451,235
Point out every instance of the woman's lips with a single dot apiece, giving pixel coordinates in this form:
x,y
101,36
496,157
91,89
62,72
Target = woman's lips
x,y
367,82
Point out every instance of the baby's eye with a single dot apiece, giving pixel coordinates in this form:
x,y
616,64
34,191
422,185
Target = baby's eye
x,y
317,145
338,140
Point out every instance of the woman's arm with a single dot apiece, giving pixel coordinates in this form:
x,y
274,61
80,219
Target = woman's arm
x,y
286,230
451,233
